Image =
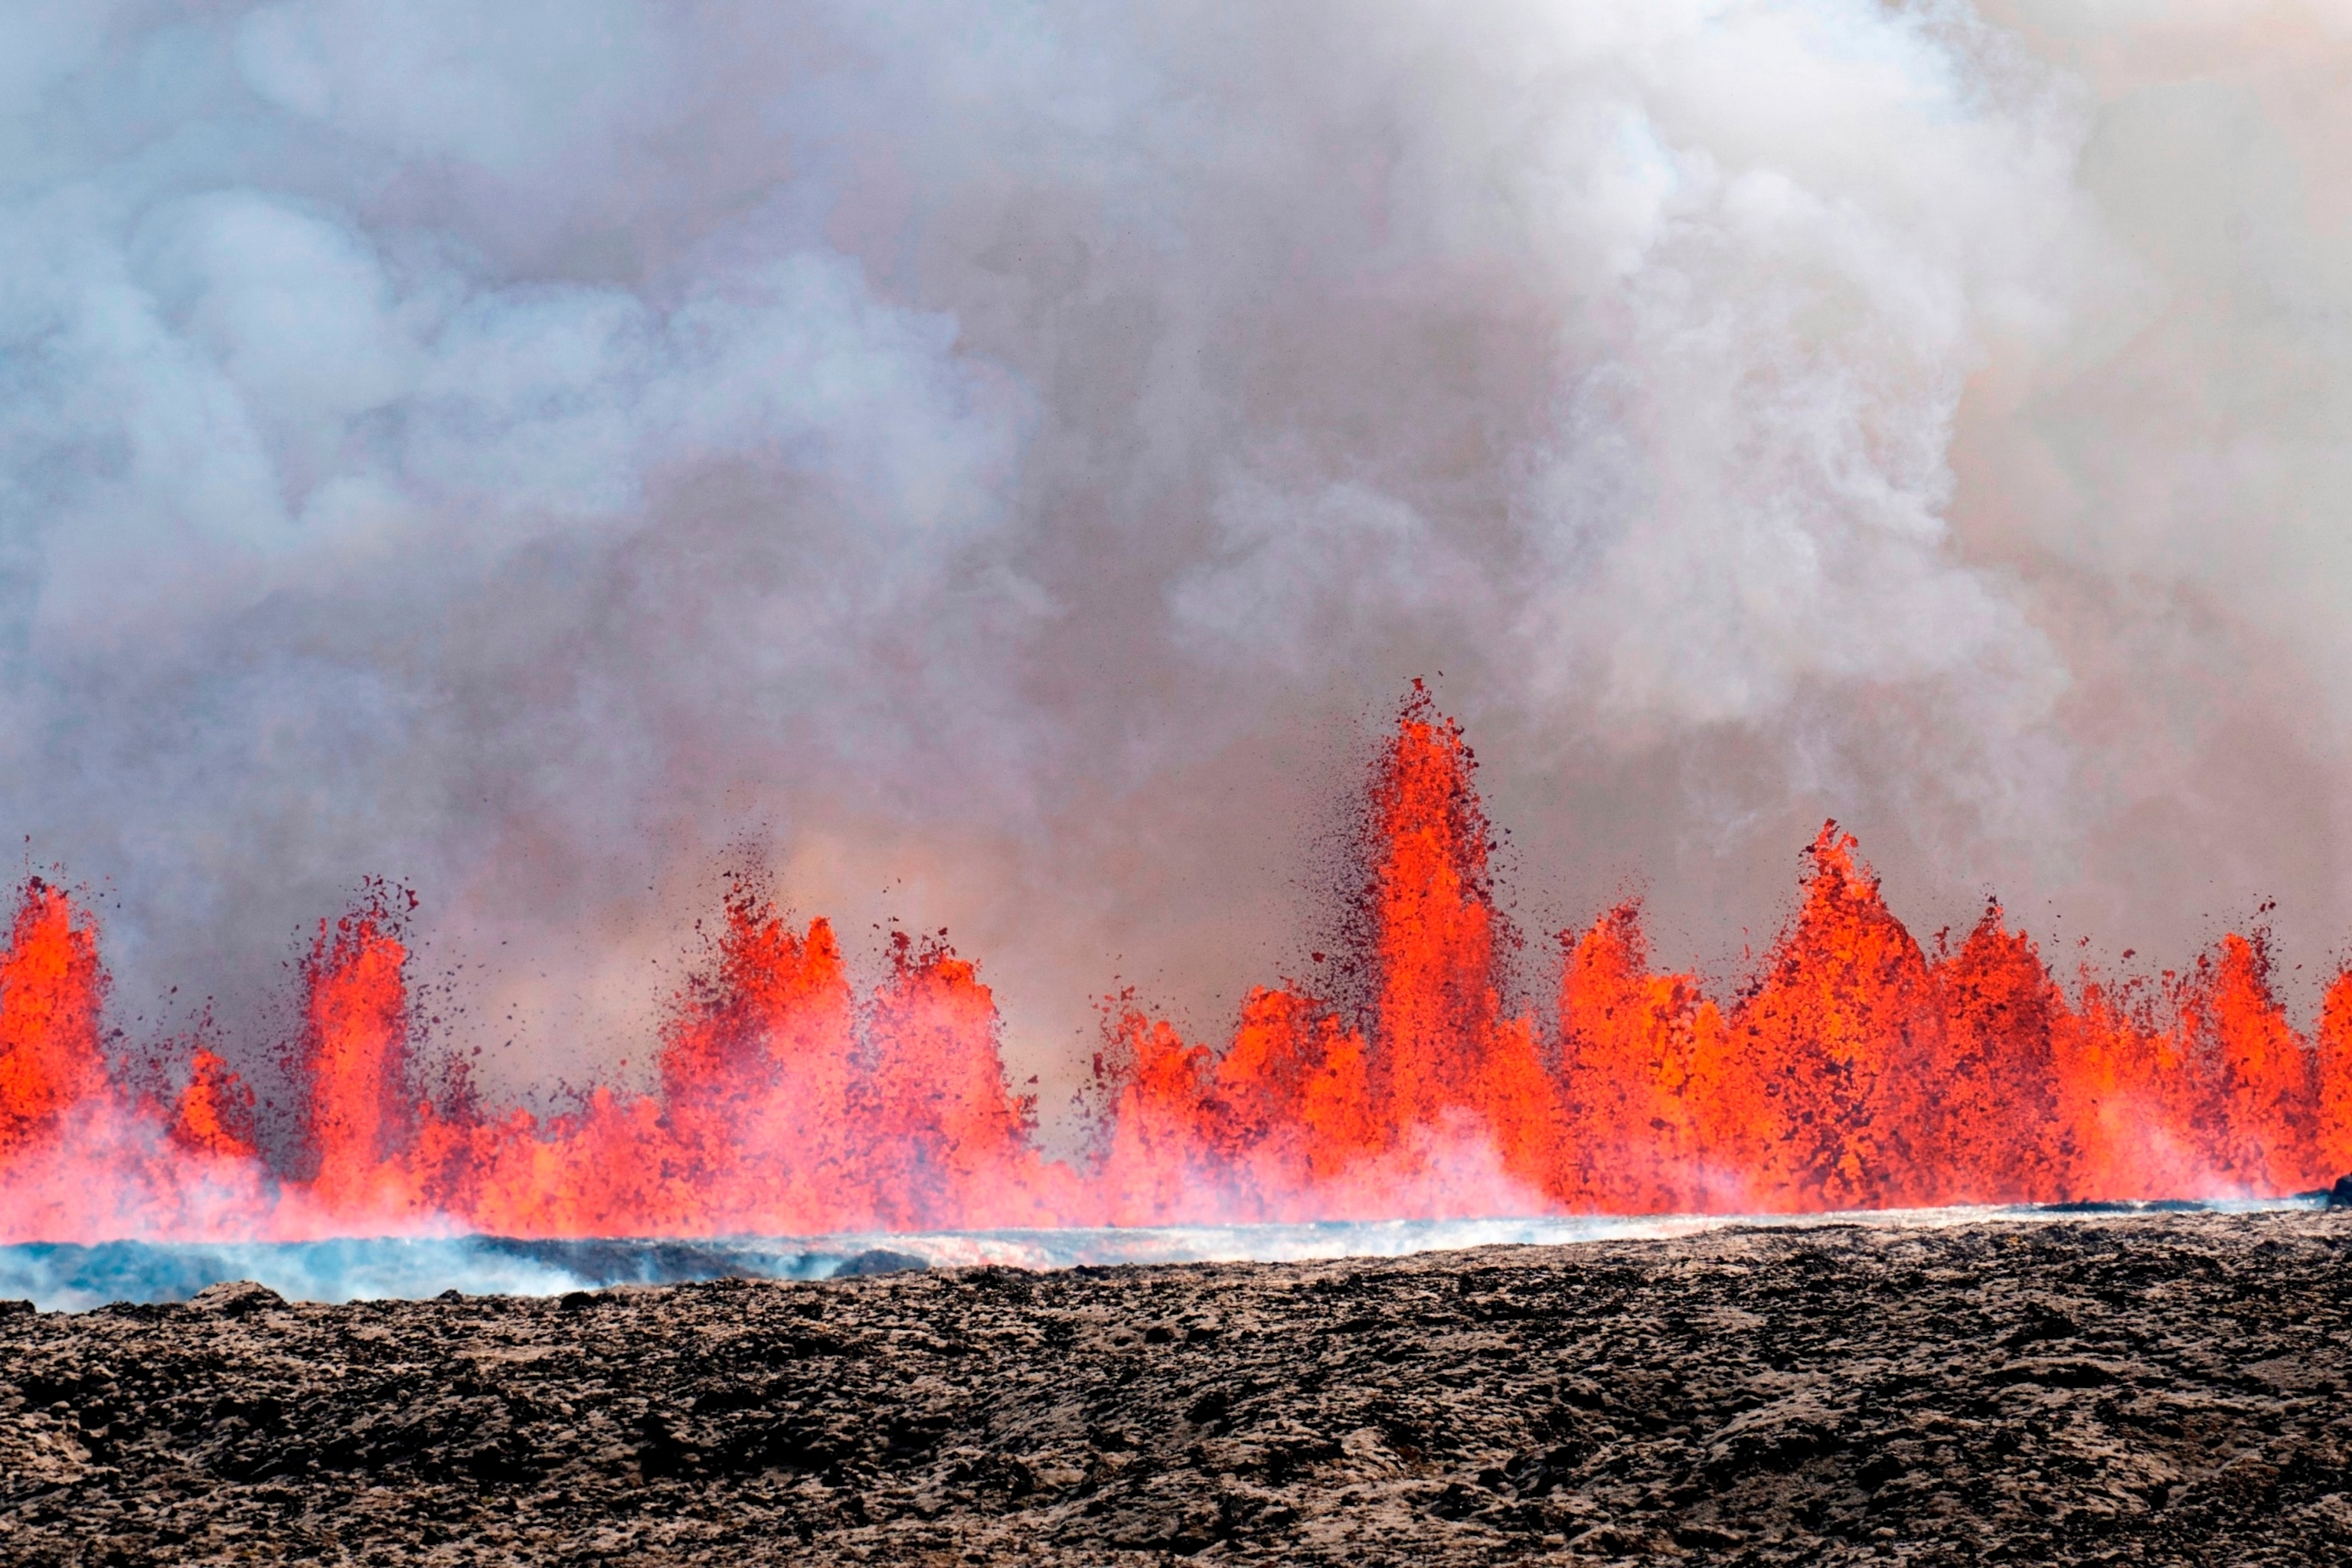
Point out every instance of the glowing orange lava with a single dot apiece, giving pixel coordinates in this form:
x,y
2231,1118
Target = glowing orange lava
x,y
1852,1070
52,993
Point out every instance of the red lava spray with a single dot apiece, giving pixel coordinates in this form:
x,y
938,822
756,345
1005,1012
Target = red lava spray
x,y
1852,1070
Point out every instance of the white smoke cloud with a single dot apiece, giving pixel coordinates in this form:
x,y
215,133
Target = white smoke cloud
x,y
976,452
264,399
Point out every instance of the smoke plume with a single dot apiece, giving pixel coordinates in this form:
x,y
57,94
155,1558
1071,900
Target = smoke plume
x,y
984,462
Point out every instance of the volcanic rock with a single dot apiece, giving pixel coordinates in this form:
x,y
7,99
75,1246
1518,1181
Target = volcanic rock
x,y
238,1299
2339,1196
2097,1388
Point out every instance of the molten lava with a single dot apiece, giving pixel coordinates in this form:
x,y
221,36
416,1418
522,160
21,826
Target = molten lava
x,y
52,993
1854,1070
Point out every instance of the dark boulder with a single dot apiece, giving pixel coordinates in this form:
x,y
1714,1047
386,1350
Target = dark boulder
x,y
237,1298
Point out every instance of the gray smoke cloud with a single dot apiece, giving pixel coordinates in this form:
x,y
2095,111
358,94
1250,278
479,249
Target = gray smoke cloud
x,y
988,462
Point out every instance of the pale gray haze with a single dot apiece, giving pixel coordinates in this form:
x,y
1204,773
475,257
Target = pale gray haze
x,y
995,463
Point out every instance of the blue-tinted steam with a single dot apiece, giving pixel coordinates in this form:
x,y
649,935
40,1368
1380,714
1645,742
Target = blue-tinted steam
x,y
62,1278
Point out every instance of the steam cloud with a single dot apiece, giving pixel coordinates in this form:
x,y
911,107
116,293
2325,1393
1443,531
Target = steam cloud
x,y
986,460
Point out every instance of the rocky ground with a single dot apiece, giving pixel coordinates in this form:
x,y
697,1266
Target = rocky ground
x,y
2143,1390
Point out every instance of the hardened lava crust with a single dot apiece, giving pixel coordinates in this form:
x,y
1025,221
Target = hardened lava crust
x,y
2150,1389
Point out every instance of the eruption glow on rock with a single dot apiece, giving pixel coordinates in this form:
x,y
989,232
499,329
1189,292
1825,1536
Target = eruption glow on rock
x,y
1853,1071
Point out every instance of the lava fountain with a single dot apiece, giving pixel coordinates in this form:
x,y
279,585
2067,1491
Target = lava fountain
x,y
1853,1068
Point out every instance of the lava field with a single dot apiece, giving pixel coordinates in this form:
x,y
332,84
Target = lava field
x,y
2144,1389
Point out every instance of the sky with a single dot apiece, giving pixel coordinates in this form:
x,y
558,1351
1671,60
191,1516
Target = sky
x,y
997,467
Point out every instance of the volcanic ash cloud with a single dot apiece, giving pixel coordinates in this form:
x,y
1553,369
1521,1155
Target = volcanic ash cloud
x,y
985,458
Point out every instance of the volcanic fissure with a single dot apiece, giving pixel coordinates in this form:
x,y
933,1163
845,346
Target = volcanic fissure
x,y
1852,1070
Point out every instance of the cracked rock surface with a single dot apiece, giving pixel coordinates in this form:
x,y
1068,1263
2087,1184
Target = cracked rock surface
x,y
2142,1389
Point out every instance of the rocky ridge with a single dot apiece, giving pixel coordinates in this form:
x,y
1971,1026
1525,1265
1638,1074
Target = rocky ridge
x,y
2146,1389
